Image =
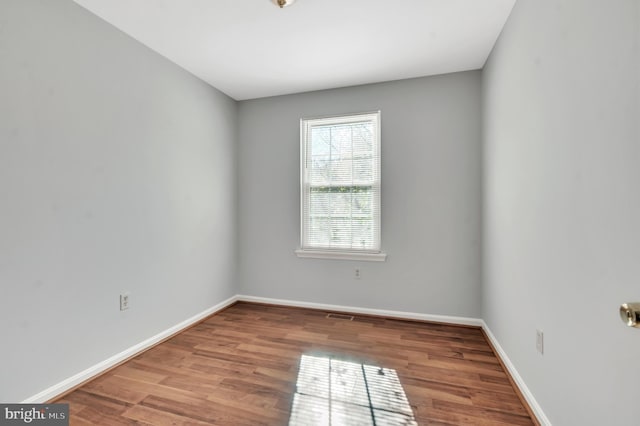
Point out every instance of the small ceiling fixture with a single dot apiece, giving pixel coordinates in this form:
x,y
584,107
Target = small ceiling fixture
x,y
283,3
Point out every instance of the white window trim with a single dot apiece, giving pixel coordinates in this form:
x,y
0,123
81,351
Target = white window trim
x,y
342,255
319,253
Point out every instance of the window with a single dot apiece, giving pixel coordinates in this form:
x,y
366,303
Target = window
x,y
340,187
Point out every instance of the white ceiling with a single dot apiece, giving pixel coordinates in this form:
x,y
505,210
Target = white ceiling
x,y
251,48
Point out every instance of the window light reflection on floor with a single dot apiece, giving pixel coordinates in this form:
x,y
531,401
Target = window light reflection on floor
x,y
336,392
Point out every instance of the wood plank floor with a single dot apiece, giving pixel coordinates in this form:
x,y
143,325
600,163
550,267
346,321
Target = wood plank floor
x,y
240,366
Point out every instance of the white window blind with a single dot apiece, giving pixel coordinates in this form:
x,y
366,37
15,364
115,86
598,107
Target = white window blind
x,y
340,183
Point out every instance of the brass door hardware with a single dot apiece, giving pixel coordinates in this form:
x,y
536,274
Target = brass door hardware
x,y
630,314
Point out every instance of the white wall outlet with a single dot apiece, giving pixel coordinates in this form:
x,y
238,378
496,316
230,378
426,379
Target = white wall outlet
x,y
358,273
124,301
540,341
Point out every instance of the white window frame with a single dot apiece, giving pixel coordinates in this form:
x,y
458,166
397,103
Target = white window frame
x,y
339,254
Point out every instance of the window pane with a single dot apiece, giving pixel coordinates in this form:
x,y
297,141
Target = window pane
x,y
362,233
363,170
319,205
361,203
320,171
319,231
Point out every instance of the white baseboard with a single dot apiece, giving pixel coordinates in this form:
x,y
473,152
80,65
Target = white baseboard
x,y
95,370
535,407
366,311
71,382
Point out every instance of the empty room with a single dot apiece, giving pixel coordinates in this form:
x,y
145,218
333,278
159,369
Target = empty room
x,y
319,212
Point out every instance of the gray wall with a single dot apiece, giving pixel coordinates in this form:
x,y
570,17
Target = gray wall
x,y
116,174
430,196
562,205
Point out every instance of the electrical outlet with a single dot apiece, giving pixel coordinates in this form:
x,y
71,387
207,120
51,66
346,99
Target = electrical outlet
x,y
358,273
124,301
540,341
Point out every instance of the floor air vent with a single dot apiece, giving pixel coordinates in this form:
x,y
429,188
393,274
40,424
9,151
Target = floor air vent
x,y
340,316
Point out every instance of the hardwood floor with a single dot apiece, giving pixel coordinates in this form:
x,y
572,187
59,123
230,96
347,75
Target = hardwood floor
x,y
240,367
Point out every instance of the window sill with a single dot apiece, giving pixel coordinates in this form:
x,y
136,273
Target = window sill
x,y
341,255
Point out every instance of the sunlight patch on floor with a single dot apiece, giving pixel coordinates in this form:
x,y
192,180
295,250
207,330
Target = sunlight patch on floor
x,y
336,392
